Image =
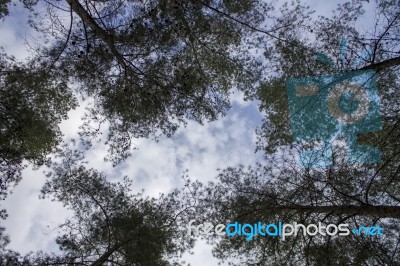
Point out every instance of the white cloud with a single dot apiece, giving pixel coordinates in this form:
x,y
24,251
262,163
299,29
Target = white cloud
x,y
201,255
156,167
29,217
14,31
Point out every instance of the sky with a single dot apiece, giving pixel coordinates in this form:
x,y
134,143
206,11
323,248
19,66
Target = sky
x,y
156,167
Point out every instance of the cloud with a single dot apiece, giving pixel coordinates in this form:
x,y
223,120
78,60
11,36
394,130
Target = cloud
x,y
156,167
29,217
201,255
14,31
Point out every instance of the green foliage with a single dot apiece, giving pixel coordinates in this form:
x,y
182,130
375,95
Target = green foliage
x,y
301,57
150,66
278,190
33,102
4,4
4,8
110,223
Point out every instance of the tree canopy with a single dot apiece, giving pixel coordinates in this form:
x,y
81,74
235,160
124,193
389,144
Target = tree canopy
x,y
148,68
110,224
33,102
279,189
152,65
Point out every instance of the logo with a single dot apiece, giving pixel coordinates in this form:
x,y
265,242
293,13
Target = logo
x,y
328,107
280,229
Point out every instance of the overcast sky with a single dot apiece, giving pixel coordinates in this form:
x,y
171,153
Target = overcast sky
x,y
155,167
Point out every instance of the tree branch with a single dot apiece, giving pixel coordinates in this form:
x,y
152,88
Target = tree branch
x,y
243,22
383,65
103,258
100,32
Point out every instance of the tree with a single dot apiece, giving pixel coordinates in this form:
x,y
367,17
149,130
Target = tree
x,y
280,190
149,66
29,4
3,8
152,65
336,196
110,224
33,102
301,57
